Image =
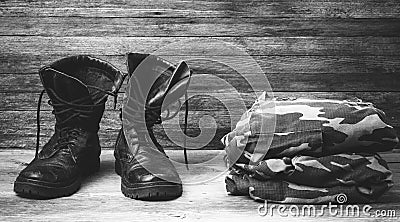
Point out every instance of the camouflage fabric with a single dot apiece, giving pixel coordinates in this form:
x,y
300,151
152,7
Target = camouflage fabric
x,y
303,179
294,161
309,127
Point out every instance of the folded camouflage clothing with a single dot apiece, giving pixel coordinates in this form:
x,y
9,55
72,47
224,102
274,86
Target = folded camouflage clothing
x,y
319,150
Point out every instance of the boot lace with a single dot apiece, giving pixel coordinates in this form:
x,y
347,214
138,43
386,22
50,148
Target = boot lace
x,y
171,116
66,135
155,118
61,106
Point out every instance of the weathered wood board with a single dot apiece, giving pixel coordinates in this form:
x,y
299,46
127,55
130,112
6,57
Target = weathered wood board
x,y
325,49
335,49
100,197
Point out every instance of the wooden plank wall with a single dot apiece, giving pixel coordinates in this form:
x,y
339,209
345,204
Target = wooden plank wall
x,y
316,48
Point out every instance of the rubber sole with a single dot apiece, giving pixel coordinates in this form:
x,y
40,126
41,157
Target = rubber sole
x,y
31,189
151,191
154,192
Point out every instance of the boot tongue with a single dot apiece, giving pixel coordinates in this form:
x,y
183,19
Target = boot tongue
x,y
178,84
65,87
172,88
151,75
95,76
157,83
71,101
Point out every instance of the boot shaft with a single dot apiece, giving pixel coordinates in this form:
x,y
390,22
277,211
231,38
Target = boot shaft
x,y
154,84
78,87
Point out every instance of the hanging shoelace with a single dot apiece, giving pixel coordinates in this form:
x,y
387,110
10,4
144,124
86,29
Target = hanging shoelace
x,y
185,130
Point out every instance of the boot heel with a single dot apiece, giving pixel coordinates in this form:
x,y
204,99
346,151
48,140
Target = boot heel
x,y
117,166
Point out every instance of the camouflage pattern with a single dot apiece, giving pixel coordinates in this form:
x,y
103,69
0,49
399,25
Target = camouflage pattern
x,y
317,150
304,179
310,127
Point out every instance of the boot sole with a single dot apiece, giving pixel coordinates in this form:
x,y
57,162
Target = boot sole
x,y
34,189
151,191
31,189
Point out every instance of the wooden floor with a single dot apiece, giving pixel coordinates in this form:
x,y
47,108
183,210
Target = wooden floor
x,y
100,197
336,49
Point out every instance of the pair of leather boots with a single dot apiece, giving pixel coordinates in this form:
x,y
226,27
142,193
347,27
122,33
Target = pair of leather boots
x,y
78,88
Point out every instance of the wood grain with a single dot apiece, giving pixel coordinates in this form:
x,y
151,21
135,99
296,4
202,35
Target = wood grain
x,y
325,49
226,8
335,49
208,101
23,64
98,45
101,198
19,127
191,26
292,82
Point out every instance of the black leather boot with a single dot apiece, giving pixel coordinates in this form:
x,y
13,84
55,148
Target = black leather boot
x,y
78,87
145,170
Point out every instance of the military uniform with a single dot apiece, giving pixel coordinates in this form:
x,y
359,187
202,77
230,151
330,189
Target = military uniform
x,y
309,151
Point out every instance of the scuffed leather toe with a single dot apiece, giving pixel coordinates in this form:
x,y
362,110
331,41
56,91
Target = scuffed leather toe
x,y
44,174
141,175
35,175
